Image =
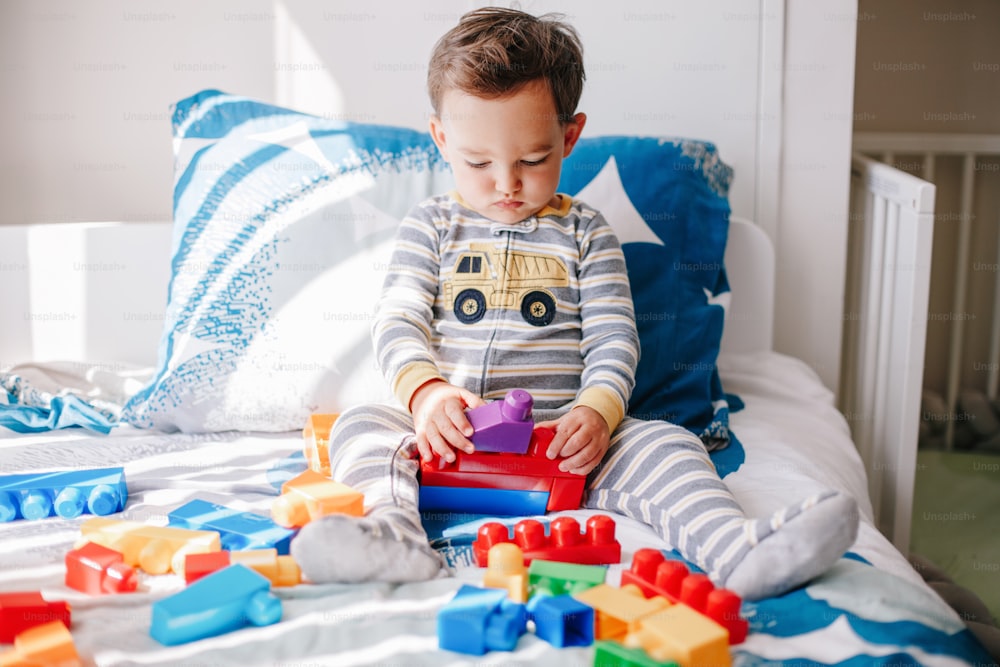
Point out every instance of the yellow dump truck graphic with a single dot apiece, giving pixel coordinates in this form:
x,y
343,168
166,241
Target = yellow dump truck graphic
x,y
487,277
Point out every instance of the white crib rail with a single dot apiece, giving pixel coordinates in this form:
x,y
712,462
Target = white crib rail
x,y
885,327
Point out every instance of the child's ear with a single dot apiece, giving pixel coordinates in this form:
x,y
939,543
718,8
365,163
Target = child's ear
x,y
437,134
572,131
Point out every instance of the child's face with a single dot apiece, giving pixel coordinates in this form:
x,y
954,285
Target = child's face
x,y
506,153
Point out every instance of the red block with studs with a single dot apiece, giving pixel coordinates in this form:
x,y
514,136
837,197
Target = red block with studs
x,y
565,542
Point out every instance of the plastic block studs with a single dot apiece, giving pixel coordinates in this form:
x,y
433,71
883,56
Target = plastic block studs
x,y
564,543
310,496
505,569
66,494
671,579
96,570
316,442
279,570
223,601
562,620
553,578
157,550
503,426
478,620
48,644
24,610
237,530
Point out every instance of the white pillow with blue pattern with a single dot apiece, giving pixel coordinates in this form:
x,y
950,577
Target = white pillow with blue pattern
x,y
283,229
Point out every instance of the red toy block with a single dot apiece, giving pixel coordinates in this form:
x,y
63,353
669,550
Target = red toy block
x,y
197,566
280,570
96,569
45,645
23,610
564,543
532,471
654,575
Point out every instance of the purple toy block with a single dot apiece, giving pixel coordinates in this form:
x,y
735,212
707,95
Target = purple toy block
x,y
503,426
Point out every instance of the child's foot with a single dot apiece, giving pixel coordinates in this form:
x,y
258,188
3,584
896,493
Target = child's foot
x,y
801,543
347,549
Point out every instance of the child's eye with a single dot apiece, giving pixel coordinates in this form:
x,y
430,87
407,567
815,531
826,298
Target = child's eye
x,y
477,165
534,163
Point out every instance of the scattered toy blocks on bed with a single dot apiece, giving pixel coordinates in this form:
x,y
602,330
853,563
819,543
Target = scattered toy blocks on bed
x,y
66,494
316,442
96,569
156,549
46,645
20,611
237,530
280,570
562,620
564,543
503,426
310,496
555,578
655,575
221,602
478,620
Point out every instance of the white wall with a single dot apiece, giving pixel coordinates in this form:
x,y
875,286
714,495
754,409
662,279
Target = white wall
x,y
87,132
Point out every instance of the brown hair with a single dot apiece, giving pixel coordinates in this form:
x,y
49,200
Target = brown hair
x,y
494,52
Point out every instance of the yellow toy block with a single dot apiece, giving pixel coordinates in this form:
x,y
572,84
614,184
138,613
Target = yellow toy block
x,y
281,570
681,634
311,496
156,549
505,569
616,608
49,644
316,445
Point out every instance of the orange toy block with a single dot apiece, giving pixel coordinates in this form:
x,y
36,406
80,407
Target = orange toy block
x,y
615,609
96,569
316,442
681,634
505,569
280,570
48,645
311,496
155,549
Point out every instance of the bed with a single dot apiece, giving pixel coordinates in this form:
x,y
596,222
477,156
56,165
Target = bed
x,y
217,413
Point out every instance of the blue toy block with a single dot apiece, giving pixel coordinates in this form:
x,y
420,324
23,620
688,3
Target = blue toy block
x,y
503,426
478,620
221,602
495,502
562,620
66,493
238,531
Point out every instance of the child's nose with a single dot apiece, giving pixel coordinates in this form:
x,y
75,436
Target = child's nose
x,y
508,181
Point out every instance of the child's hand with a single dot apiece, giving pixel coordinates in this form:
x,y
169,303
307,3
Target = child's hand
x,y
582,439
438,410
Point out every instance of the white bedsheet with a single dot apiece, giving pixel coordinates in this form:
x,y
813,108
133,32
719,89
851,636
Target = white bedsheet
x,y
795,443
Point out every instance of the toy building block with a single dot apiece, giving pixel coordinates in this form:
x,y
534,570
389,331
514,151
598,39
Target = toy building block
x,y
612,654
46,645
554,578
656,575
223,601
495,502
279,570
564,543
316,442
682,634
237,530
617,608
532,472
478,620
66,494
562,620
155,549
96,569
23,610
503,426
505,569
310,496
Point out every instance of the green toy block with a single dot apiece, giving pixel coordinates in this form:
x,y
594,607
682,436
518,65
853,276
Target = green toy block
x,y
547,577
612,654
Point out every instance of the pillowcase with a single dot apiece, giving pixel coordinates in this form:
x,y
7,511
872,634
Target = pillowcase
x,y
283,230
